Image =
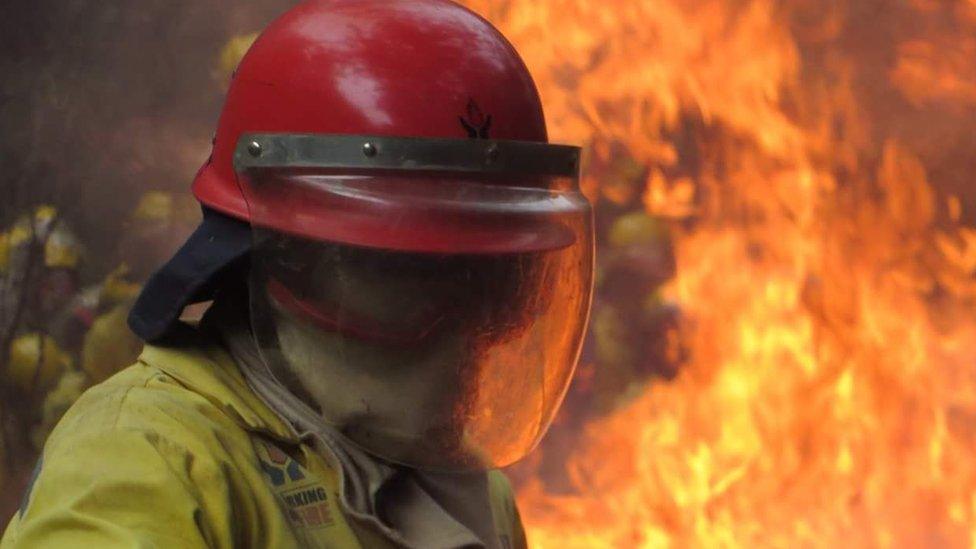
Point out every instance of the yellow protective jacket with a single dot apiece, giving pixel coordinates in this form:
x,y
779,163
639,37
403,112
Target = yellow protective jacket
x,y
177,451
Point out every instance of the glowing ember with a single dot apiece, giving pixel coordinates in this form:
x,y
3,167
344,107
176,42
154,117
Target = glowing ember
x,y
830,398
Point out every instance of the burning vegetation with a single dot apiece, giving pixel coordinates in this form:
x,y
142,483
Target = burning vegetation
x,y
813,162
782,348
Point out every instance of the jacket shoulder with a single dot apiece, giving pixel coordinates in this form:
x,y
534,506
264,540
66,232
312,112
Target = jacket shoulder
x,y
139,398
136,442
109,460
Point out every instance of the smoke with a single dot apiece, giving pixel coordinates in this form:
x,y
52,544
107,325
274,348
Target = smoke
x,y
101,100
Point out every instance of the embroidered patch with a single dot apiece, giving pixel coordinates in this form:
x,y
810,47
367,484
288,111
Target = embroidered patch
x,y
305,501
279,466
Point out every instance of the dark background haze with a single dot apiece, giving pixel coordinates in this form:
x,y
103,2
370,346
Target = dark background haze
x,y
100,101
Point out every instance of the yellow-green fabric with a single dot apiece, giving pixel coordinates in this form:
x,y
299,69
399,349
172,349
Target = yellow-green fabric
x,y
109,345
177,451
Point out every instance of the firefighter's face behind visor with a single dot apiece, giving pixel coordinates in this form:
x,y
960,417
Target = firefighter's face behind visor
x,y
441,361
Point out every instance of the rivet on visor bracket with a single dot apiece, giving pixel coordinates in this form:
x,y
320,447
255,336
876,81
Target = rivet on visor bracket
x,y
369,150
491,155
254,149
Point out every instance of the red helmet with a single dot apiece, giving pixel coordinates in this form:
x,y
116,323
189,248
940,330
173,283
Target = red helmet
x,y
422,256
409,68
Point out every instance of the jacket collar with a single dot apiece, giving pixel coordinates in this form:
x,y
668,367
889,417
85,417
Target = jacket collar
x,y
203,366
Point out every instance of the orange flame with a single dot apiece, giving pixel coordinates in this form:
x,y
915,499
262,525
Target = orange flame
x,y
830,398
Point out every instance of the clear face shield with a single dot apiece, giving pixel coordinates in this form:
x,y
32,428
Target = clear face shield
x,y
427,298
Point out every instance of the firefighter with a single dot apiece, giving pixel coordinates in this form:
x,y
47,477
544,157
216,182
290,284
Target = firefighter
x,y
153,231
148,237
634,325
400,266
108,344
40,276
635,328
36,369
634,338
230,56
35,364
41,267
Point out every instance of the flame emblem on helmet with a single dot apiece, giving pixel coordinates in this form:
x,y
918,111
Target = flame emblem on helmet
x,y
475,122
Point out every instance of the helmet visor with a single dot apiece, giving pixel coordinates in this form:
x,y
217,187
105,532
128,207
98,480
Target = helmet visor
x,y
432,319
